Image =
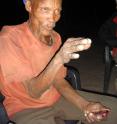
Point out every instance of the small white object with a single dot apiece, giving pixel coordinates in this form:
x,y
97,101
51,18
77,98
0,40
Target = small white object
x,y
90,114
75,56
87,40
98,117
85,114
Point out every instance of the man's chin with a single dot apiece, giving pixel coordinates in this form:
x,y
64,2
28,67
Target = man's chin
x,y
47,33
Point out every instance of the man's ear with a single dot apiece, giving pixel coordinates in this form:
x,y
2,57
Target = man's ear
x,y
28,5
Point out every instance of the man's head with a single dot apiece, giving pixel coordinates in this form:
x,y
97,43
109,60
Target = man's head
x,y
43,14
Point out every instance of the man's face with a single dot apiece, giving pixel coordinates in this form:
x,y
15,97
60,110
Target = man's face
x,y
44,14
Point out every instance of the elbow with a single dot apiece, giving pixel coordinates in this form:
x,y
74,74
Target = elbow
x,y
32,91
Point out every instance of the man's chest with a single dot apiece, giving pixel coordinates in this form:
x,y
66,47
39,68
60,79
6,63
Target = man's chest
x,y
23,65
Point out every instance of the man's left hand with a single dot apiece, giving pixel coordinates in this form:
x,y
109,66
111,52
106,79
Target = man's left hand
x,y
95,112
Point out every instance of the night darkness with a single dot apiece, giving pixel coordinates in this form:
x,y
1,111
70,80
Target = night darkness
x,y
79,17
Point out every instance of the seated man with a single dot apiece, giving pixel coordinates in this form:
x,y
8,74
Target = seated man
x,y
32,72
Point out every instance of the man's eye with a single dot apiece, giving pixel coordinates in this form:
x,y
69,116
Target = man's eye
x,y
45,9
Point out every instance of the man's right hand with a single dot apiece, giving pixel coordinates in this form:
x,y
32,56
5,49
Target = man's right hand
x,y
71,46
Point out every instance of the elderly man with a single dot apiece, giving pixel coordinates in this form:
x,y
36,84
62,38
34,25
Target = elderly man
x,y
32,71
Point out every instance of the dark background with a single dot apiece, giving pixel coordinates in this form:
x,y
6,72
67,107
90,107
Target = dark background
x,y
79,17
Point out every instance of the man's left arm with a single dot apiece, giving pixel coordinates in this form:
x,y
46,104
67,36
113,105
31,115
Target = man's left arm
x,y
89,108
69,93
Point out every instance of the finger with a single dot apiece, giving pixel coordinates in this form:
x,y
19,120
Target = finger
x,y
77,48
88,119
101,114
106,109
74,56
87,46
75,41
86,41
79,45
99,118
87,115
91,117
102,111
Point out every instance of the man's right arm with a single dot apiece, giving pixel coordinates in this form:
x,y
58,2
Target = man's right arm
x,y
38,85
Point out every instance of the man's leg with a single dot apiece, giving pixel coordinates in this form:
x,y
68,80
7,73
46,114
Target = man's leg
x,y
67,111
35,116
70,112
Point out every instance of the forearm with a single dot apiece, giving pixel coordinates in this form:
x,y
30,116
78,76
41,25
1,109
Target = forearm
x,y
70,94
39,84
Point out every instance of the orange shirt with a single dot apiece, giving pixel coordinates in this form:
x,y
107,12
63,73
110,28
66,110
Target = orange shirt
x,y
23,57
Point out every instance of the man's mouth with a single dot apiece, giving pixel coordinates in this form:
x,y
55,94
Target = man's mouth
x,y
50,26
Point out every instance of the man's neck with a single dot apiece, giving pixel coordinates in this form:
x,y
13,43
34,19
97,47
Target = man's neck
x,y
48,40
